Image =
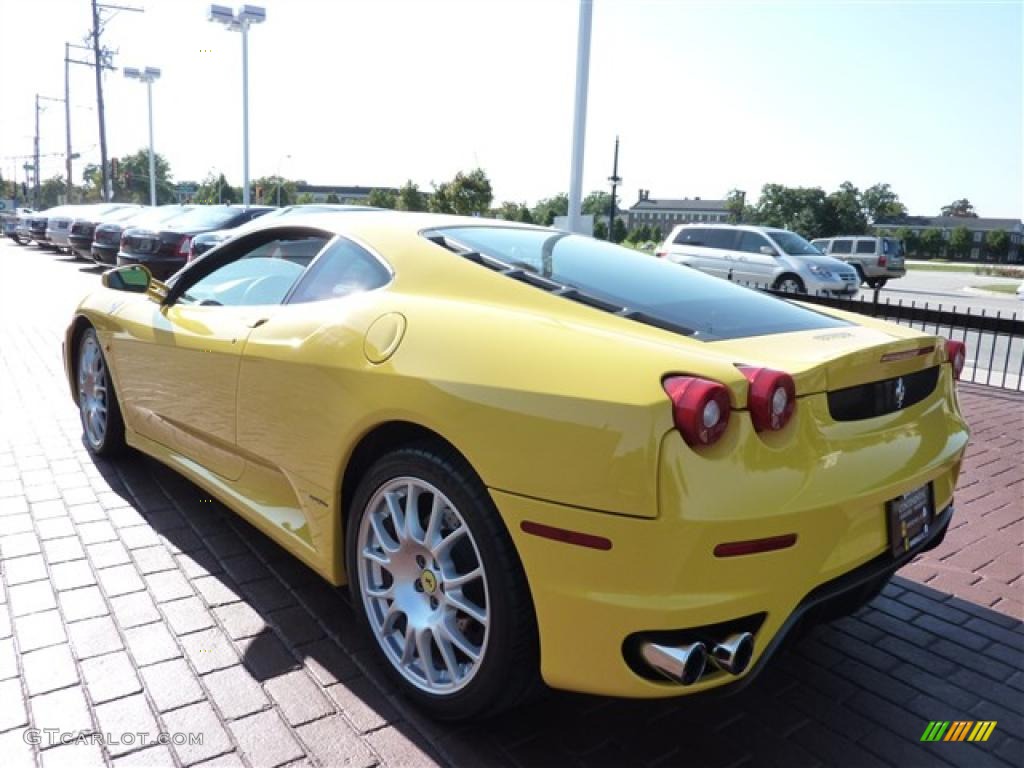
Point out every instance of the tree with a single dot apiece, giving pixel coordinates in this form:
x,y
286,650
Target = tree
x,y
960,242
215,190
132,182
802,209
997,244
932,242
306,198
911,242
618,230
512,211
961,209
467,194
596,204
736,204
843,214
879,201
601,229
52,191
410,198
264,190
332,198
545,211
382,198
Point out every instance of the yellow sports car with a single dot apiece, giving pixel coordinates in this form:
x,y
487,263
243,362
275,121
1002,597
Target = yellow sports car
x,y
532,456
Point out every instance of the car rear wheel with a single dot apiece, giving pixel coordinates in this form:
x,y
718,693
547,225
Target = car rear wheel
x,y
102,424
861,277
876,283
437,583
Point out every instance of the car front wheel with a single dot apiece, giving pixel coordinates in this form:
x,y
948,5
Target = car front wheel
x,y
102,425
437,583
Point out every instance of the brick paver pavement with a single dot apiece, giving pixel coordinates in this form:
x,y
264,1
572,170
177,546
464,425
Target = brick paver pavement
x,y
131,603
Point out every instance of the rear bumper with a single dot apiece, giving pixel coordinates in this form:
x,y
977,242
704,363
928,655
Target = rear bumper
x,y
104,254
825,482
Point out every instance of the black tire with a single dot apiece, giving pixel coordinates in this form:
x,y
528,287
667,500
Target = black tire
x,y
112,441
509,672
789,279
861,277
877,283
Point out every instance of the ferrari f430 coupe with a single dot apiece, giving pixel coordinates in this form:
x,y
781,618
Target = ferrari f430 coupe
x,y
533,457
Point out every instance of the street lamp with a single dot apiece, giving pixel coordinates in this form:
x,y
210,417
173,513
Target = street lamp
x,y
246,16
148,76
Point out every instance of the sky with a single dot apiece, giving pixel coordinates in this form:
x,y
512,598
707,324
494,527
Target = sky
x,y
705,96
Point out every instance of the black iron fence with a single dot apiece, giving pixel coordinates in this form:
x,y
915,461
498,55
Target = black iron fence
x,y
995,342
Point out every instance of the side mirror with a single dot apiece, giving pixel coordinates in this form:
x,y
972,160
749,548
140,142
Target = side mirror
x,y
767,250
134,278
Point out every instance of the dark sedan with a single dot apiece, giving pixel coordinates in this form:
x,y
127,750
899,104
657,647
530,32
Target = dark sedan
x,y
80,235
165,250
204,242
106,238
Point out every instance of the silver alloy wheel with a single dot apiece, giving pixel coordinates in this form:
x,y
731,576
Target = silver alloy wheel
x,y
92,390
423,585
790,285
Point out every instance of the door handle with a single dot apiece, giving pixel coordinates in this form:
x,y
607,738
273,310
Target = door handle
x,y
257,323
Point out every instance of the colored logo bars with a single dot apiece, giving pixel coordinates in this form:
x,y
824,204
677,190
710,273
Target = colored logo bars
x,y
958,730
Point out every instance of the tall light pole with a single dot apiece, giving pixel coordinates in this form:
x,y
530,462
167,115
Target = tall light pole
x,y
246,16
149,75
579,128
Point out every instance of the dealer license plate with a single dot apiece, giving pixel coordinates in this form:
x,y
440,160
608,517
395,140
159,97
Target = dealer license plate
x,y
910,518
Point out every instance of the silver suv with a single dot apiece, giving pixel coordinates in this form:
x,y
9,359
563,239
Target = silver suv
x,y
759,256
876,259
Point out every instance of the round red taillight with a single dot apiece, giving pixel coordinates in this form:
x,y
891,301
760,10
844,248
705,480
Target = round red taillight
x,y
700,408
771,399
956,352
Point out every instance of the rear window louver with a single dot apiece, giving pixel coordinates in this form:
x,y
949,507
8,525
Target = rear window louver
x,y
527,275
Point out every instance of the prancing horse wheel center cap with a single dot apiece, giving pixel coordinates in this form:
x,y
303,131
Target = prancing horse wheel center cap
x,y
429,582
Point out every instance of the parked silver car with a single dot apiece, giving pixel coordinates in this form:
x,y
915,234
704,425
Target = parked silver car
x,y
759,256
58,226
876,259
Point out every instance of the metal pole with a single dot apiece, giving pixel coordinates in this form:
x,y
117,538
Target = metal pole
x,y
35,151
67,118
615,179
152,160
106,192
245,113
580,115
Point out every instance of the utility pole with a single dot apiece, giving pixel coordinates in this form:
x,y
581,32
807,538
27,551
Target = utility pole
x,y
615,179
67,116
105,193
98,55
35,159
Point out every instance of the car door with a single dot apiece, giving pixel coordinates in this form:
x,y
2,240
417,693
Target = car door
x,y
178,363
301,366
750,265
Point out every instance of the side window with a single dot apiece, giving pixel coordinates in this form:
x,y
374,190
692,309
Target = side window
x,y
751,242
342,269
722,239
692,236
865,246
262,276
842,246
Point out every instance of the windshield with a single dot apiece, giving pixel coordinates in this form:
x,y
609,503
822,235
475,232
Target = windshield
x,y
793,244
709,307
892,247
152,217
207,217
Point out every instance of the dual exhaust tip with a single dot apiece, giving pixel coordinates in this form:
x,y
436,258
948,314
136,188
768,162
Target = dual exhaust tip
x,y
685,664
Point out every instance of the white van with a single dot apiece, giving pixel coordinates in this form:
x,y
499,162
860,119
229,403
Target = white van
x,y
759,256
